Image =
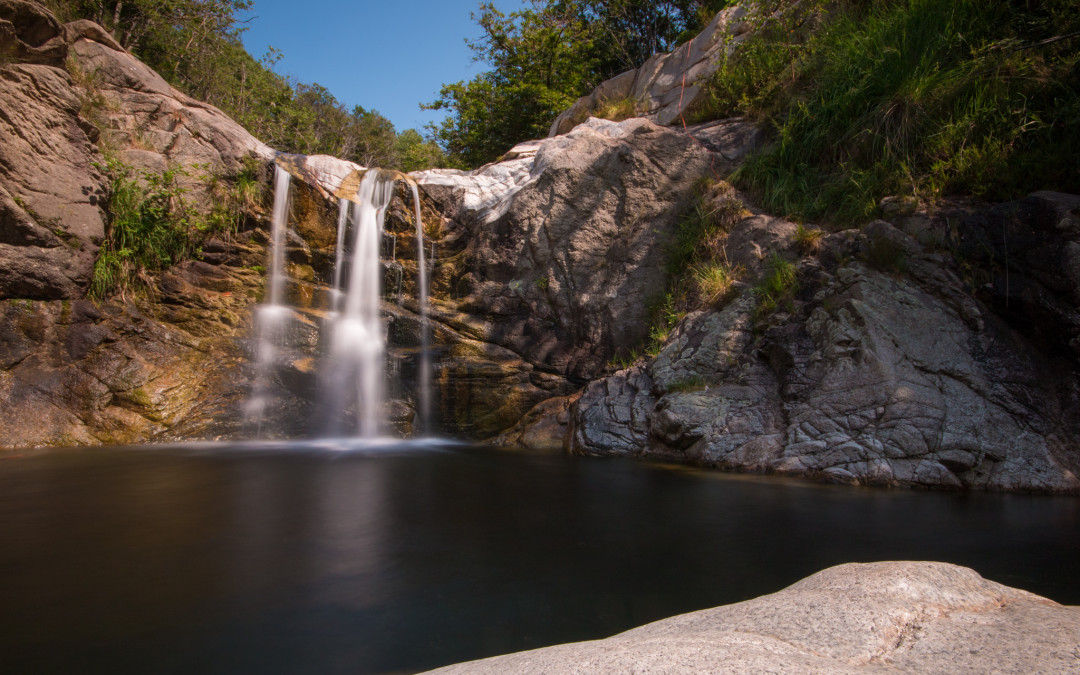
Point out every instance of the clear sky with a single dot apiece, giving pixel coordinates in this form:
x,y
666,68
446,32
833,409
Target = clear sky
x,y
386,55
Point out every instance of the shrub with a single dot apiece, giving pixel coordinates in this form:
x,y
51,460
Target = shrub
x,y
907,97
617,109
713,281
807,241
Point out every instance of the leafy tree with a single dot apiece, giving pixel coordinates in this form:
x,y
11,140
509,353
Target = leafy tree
x,y
543,58
415,153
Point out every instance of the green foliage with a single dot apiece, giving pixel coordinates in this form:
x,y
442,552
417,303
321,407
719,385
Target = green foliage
x,y
415,153
777,289
152,225
713,280
149,228
617,110
544,57
912,97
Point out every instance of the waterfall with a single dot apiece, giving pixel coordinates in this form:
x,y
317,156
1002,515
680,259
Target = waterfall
x,y
423,385
357,345
271,317
353,369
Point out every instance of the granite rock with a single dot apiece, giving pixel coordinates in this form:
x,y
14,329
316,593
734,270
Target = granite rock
x,y
886,617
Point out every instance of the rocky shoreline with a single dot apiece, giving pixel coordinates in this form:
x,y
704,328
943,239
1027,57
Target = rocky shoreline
x,y
885,617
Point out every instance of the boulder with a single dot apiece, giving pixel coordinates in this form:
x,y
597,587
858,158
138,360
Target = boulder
x,y
666,85
144,112
885,617
883,370
30,34
564,242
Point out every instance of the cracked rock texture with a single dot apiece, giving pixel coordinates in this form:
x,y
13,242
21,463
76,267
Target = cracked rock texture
x,y
886,617
871,375
558,260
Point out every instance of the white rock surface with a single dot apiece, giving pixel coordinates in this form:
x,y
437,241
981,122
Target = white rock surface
x,y
886,617
666,84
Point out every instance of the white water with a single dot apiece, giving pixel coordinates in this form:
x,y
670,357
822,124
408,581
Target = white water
x,y
357,358
354,368
271,318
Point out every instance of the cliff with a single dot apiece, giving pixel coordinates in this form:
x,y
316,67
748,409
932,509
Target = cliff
x,y
933,347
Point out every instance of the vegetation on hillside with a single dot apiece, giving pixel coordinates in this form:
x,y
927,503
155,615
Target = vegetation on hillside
x,y
546,55
913,97
153,224
195,45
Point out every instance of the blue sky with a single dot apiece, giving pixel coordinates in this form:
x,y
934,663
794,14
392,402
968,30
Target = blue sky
x,y
388,56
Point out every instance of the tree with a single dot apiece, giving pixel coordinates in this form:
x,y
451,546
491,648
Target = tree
x,y
415,153
543,58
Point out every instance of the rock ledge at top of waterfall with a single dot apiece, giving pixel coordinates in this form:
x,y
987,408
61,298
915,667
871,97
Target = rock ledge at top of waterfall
x,y
885,617
485,194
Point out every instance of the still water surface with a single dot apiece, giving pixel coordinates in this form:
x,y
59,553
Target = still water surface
x,y
336,558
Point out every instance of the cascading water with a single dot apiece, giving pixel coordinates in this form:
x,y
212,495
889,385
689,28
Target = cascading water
x,y
271,317
357,345
352,383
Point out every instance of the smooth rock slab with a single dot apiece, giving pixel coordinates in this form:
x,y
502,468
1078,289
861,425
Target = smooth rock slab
x,y
886,617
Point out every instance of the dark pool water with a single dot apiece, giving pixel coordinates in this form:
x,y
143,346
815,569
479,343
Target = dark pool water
x,y
397,558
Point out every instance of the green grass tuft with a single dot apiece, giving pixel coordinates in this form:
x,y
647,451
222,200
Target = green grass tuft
x,y
906,97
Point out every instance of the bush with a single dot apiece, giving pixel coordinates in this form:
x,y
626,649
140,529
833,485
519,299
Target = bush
x,y
152,226
777,289
906,97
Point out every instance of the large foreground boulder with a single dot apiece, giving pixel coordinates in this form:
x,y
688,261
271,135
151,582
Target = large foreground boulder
x,y
888,617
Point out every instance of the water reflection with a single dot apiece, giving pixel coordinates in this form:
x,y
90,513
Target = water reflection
x,y
389,557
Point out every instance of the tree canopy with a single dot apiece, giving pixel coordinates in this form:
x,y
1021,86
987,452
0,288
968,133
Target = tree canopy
x,y
545,56
195,45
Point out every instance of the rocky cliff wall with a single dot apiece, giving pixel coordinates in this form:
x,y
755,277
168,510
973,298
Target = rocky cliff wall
x,y
930,348
76,371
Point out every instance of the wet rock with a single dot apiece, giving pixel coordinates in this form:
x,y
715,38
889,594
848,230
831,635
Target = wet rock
x,y
545,427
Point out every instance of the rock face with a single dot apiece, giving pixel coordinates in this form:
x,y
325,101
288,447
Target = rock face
x,y
666,85
51,191
84,373
151,124
73,371
888,617
882,370
50,220
557,261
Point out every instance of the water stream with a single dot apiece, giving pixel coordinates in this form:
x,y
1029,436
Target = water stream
x,y
353,372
